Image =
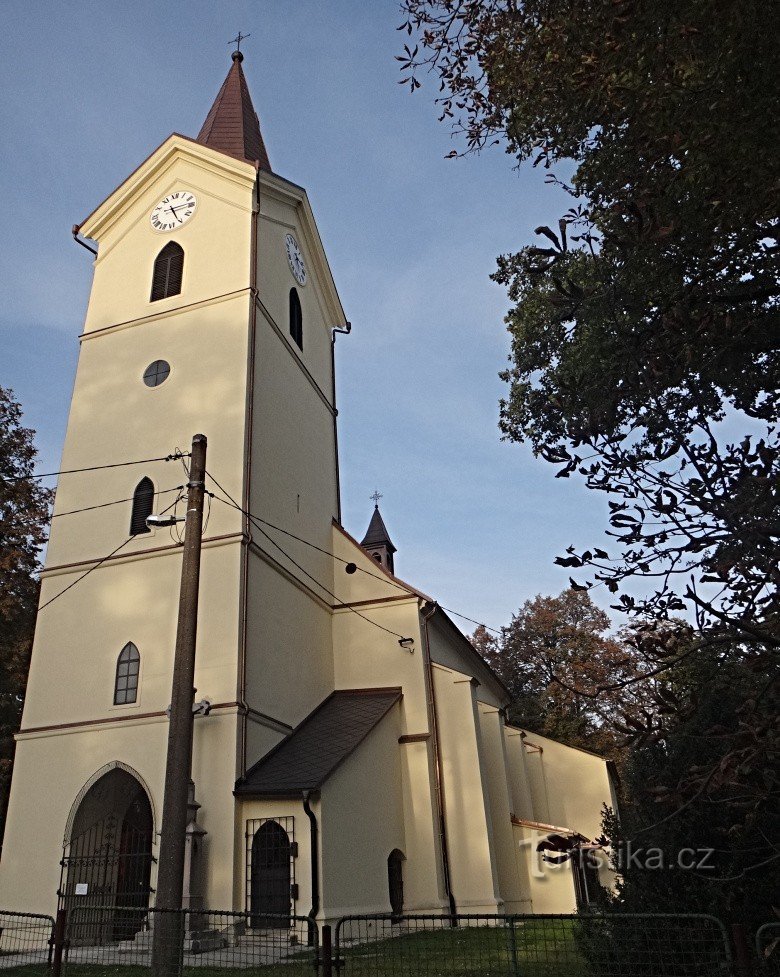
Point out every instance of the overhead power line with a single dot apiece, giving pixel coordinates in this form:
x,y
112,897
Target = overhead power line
x,y
339,559
103,505
256,523
95,566
95,468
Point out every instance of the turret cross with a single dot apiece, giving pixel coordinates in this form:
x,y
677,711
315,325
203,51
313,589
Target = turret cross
x,y
237,40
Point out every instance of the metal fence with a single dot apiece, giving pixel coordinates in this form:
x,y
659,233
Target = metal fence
x,y
118,937
92,940
26,940
533,946
768,949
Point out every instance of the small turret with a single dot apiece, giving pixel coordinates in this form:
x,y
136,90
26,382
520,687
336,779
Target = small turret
x,y
377,540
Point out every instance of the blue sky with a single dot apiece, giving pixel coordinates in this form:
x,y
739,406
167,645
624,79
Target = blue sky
x,y
90,88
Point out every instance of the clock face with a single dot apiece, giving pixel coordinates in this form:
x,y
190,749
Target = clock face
x,y
173,211
295,258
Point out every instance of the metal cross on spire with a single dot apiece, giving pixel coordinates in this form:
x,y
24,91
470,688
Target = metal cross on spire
x,y
376,497
237,41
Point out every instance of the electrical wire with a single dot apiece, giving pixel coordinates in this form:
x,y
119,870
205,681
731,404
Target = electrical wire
x,y
382,579
103,505
95,468
95,566
255,523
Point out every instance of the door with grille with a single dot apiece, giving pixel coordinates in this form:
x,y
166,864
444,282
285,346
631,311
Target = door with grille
x,y
270,879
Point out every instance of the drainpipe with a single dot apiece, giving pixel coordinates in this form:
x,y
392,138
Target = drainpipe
x,y
82,243
315,865
345,331
438,775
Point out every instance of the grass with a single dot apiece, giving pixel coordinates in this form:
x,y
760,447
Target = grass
x,y
468,951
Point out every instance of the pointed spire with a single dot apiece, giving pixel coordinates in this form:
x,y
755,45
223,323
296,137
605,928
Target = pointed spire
x,y
232,125
377,541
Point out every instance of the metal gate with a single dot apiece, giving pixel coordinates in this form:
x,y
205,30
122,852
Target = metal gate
x,y
109,864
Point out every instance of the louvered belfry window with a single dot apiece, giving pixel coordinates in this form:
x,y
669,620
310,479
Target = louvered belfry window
x,y
143,500
296,318
127,667
168,271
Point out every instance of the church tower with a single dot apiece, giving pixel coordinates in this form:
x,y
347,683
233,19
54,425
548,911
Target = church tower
x,y
212,310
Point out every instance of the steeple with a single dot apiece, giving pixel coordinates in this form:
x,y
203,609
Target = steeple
x,y
232,125
377,541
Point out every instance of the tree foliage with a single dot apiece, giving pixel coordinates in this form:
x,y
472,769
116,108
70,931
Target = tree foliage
x,y
644,328
644,325
717,857
24,515
565,673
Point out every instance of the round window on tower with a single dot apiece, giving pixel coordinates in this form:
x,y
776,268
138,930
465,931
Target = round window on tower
x,y
156,373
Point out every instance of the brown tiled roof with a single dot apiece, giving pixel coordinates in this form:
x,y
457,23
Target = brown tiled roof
x,y
308,756
232,125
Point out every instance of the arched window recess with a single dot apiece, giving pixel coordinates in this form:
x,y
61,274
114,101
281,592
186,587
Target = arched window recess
x,y
143,502
296,318
168,272
127,667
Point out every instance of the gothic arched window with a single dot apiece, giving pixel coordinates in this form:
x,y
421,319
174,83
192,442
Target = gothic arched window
x,y
168,271
296,318
127,668
143,501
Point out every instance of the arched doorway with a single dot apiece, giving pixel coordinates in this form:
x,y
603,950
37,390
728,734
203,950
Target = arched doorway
x,y
395,881
107,861
270,887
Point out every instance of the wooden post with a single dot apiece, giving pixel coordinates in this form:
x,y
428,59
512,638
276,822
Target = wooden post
x,y
168,931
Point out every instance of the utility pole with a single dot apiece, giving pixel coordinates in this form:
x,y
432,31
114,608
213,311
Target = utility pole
x,y
168,931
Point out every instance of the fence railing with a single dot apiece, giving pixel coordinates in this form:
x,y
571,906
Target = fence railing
x,y
26,940
616,945
92,940
116,936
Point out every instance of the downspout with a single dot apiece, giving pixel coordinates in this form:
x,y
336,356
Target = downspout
x,y
315,864
243,706
82,243
438,775
345,332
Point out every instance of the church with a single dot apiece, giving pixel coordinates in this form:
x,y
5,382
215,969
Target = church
x,y
352,752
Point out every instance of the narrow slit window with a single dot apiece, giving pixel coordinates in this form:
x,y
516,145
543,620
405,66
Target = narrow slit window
x,y
143,501
296,318
127,667
168,271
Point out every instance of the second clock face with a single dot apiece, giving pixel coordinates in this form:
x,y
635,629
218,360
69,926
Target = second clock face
x,y
294,256
173,211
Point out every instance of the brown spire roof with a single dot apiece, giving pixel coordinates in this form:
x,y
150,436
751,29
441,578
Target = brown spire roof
x,y
232,125
377,534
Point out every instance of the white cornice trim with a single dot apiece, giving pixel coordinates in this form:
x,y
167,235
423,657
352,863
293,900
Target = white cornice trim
x,y
174,148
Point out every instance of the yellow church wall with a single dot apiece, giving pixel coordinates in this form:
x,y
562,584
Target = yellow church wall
x,y
550,887
495,765
423,873
289,667
569,785
282,212
451,649
522,800
216,240
79,637
469,830
115,417
367,657
362,822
